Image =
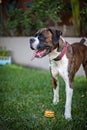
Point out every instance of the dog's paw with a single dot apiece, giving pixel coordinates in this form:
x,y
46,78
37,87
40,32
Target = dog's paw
x,y
68,116
55,101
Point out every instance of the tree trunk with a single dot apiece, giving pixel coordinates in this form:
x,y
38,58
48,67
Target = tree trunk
x,y
76,16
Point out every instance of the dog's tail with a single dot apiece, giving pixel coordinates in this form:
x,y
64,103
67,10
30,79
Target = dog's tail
x,y
82,40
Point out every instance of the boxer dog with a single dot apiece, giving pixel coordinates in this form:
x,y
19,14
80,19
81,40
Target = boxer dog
x,y
65,59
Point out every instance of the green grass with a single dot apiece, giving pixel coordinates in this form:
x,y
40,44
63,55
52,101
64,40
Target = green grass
x,y
26,93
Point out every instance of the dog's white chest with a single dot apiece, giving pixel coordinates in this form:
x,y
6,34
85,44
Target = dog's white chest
x,y
59,67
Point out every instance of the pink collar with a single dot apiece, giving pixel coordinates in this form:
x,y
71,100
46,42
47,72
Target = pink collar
x,y
59,57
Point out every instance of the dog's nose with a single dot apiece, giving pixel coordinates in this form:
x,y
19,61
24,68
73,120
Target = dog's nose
x,y
32,40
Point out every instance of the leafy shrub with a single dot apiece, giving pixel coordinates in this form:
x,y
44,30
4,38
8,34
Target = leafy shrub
x,y
41,14
14,22
4,52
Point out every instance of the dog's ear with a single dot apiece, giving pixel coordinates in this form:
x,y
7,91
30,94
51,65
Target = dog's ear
x,y
56,35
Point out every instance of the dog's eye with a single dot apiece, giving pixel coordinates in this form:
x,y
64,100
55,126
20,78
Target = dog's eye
x,y
41,37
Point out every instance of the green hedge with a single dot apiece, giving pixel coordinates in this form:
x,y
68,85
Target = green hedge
x,y
4,52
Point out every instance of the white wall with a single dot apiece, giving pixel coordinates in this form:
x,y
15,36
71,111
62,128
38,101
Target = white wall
x,y
21,52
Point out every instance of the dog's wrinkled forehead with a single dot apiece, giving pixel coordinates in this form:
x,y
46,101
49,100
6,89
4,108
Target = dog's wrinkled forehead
x,y
41,36
42,33
44,36
43,30
50,33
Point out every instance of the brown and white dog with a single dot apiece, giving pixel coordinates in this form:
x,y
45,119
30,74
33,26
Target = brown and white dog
x,y
65,60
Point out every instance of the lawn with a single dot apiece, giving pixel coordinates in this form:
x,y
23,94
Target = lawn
x,y
26,93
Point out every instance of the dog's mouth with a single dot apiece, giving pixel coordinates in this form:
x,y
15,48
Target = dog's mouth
x,y
40,53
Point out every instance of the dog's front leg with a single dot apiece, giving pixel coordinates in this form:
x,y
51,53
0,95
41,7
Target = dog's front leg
x,y
55,81
55,90
69,93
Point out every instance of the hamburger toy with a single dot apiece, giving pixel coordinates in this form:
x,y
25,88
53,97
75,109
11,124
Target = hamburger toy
x,y
49,113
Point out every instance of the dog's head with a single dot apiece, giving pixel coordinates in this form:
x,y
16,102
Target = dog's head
x,y
45,41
